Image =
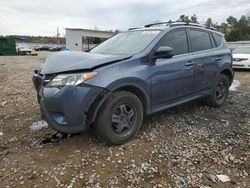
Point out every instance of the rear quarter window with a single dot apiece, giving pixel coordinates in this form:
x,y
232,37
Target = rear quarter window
x,y
217,38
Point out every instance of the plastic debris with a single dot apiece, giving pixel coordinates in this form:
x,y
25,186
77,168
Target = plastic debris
x,y
3,103
52,137
235,85
1,133
39,125
223,178
57,180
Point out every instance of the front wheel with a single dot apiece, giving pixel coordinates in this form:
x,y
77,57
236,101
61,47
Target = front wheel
x,y
219,93
120,118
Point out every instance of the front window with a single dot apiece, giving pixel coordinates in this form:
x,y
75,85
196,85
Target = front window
x,y
127,43
176,40
241,50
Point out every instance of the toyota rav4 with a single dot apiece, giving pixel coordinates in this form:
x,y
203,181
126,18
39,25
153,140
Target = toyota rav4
x,y
132,74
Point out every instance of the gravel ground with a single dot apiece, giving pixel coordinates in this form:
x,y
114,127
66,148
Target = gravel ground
x,y
186,146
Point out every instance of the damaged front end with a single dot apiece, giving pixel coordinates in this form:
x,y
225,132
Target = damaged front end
x,y
68,102
67,108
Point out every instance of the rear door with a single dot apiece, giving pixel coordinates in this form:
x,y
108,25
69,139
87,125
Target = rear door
x,y
205,62
172,78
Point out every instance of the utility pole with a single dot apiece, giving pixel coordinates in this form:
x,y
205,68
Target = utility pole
x,y
57,36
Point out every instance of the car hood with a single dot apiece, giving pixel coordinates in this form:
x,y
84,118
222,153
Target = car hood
x,y
73,61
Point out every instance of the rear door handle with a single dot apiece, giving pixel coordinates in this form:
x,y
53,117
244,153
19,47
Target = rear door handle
x,y
190,63
218,58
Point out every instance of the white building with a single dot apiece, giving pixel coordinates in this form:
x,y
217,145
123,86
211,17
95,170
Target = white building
x,y
84,39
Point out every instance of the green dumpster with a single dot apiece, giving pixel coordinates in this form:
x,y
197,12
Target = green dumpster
x,y
7,46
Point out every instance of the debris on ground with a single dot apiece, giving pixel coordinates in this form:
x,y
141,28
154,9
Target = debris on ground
x,y
52,137
1,133
235,85
3,103
223,178
39,125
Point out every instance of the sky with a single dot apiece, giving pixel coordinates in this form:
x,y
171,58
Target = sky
x,y
42,17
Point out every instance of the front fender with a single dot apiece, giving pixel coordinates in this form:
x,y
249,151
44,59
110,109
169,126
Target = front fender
x,y
136,82
140,85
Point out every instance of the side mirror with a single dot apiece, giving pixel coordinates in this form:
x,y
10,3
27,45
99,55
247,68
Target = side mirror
x,y
163,52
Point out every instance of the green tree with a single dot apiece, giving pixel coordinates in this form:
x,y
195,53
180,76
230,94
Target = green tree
x,y
209,22
231,20
238,29
117,31
184,18
194,19
223,28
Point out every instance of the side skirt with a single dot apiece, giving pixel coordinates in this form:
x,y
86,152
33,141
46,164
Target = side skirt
x,y
179,101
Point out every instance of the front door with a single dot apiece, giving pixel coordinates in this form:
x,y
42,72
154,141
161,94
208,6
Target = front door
x,y
172,78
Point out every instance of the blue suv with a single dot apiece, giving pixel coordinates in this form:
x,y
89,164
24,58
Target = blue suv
x,y
134,73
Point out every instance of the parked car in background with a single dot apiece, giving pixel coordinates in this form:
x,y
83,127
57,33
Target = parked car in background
x,y
241,57
54,48
43,48
133,74
63,48
23,49
49,48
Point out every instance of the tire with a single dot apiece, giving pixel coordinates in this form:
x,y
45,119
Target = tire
x,y
219,93
120,118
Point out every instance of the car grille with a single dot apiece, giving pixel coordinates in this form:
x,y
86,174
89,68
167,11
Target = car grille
x,y
239,59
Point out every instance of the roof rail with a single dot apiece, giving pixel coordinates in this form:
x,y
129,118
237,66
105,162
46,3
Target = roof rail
x,y
179,23
133,28
209,27
157,23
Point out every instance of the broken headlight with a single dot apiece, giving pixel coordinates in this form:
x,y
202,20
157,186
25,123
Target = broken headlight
x,y
70,79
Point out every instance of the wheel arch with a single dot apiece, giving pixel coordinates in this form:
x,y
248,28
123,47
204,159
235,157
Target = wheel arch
x,y
136,88
227,72
139,93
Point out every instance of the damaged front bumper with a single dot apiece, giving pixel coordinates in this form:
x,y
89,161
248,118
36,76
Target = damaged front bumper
x,y
67,109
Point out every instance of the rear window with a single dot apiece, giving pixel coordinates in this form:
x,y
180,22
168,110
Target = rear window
x,y
200,40
217,39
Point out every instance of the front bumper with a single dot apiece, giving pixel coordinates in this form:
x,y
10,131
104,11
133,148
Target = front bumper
x,y
66,109
37,80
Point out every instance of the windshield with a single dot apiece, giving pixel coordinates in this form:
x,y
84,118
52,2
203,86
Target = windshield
x,y
127,43
241,50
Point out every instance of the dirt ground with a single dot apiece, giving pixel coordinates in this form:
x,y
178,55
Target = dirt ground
x,y
185,146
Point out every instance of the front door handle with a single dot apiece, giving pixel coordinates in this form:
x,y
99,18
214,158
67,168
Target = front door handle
x,y
218,58
190,63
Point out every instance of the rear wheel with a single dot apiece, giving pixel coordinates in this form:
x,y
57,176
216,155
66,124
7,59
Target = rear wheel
x,y
219,92
120,118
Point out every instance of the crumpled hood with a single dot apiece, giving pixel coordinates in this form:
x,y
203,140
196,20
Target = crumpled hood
x,y
70,61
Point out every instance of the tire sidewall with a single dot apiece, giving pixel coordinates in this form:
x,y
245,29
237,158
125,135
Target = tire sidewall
x,y
224,79
104,124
